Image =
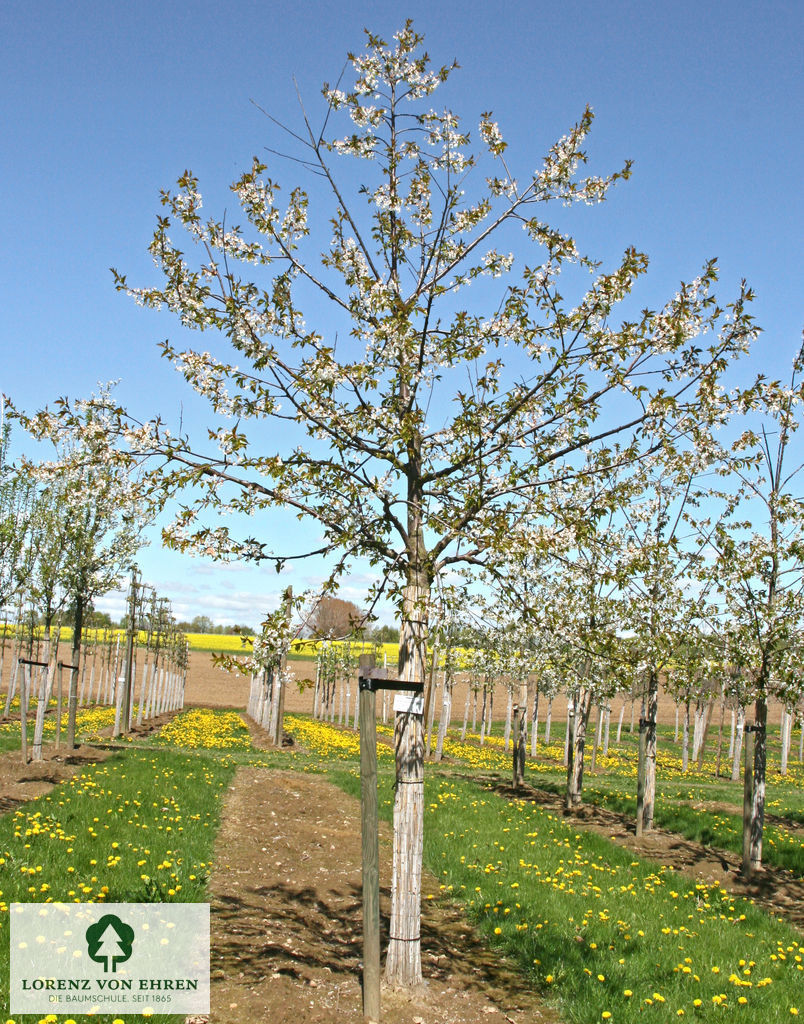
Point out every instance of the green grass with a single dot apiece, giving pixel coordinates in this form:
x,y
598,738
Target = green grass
x,y
138,827
585,920
614,786
588,923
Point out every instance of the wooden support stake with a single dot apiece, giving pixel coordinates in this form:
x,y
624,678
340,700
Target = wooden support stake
x,y
58,709
24,689
370,845
25,693
640,807
748,797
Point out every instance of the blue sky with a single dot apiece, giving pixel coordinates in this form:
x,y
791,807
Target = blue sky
x,y
105,104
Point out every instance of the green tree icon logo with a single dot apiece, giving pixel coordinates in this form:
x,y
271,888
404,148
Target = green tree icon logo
x,y
109,942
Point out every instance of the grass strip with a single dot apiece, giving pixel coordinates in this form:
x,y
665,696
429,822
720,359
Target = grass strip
x,y
603,935
138,827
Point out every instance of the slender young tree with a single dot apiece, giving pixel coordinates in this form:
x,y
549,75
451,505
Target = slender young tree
x,y
759,572
661,553
97,520
17,518
417,409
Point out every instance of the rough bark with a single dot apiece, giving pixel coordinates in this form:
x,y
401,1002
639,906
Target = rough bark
x,y
45,676
786,732
685,739
534,727
651,709
576,745
403,963
465,716
519,745
738,744
446,710
72,698
757,822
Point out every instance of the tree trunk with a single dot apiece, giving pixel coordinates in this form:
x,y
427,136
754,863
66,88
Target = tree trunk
x,y
706,725
25,689
596,740
620,721
576,745
685,739
72,698
431,690
567,730
403,965
317,687
519,745
738,744
45,684
275,726
534,727
466,714
431,709
757,822
652,706
748,798
640,798
548,721
508,712
279,719
607,731
446,710
720,730
786,732
696,734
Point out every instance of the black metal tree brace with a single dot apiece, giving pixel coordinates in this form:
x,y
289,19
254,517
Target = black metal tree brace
x,y
378,679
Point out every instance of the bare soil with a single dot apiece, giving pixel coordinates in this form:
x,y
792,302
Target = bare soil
x,y
286,913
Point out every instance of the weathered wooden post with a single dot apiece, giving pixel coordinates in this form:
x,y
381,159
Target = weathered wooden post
x,y
370,840
519,745
748,796
25,696
640,807
569,753
122,724
278,693
371,679
58,706
24,690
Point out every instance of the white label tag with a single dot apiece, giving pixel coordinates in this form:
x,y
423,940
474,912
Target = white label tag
x,y
407,704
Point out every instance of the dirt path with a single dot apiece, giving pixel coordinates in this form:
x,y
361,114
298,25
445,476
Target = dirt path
x,y
286,917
